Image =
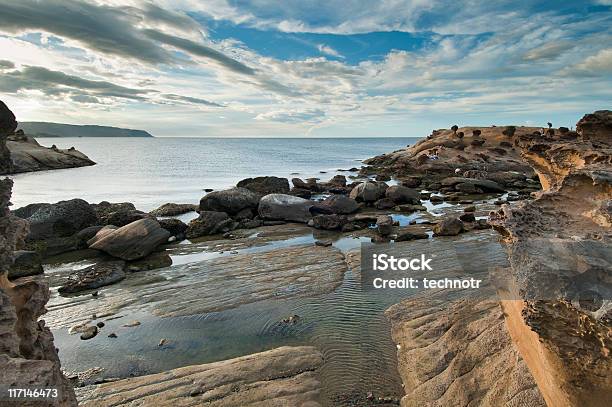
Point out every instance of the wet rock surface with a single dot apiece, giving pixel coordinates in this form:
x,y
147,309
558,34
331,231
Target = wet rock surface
x,y
131,242
286,376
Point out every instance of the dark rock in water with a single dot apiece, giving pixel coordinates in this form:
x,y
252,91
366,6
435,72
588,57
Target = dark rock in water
x,y
265,185
100,324
122,218
484,184
338,204
384,225
175,227
89,332
209,223
470,208
301,192
384,203
292,320
104,210
285,207
336,181
61,219
310,184
208,189
436,198
26,263
407,235
246,213
448,227
410,208
112,335
131,242
382,177
403,195
468,188
173,209
350,227
482,224
468,217
323,243
156,260
327,222
230,201
98,275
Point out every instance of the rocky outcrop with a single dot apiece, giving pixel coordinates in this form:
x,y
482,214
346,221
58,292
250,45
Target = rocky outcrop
x,y
285,376
27,354
130,242
8,124
28,156
560,249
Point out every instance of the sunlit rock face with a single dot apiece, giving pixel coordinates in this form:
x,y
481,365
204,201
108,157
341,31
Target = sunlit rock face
x,y
560,249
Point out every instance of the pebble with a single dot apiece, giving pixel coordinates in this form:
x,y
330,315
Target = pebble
x,y
100,324
132,324
162,342
89,332
112,335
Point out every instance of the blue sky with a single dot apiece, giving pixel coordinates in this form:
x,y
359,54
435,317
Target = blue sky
x,y
263,68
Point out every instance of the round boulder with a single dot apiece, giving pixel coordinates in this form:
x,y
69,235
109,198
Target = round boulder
x,y
448,227
286,208
265,185
130,242
403,195
61,219
338,204
230,201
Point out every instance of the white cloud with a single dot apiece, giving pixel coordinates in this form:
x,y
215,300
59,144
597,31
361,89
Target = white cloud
x,y
327,50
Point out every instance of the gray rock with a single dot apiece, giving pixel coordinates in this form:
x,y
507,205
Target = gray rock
x,y
106,210
89,332
230,201
328,222
61,219
368,191
98,275
403,195
484,184
265,185
26,263
176,227
285,207
173,209
467,217
407,235
448,227
384,225
384,203
130,242
339,204
209,223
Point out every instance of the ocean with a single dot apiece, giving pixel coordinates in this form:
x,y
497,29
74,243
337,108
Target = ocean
x,y
152,171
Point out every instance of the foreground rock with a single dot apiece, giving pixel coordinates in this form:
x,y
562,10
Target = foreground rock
x,y
560,248
8,124
61,219
285,376
286,208
130,242
27,354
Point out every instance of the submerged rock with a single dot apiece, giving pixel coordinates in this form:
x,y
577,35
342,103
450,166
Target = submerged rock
x,y
130,242
98,275
286,208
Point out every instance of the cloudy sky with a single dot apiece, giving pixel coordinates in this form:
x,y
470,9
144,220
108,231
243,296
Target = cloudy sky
x,y
299,68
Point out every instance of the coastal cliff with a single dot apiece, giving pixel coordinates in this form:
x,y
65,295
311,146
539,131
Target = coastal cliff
x,y
560,252
20,153
27,354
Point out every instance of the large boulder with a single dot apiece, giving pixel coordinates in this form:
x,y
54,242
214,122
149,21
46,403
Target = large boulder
x,y
130,242
286,208
265,185
339,204
403,195
61,219
209,223
173,209
368,191
95,276
448,227
230,201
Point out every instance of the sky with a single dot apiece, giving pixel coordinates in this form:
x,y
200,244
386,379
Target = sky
x,y
300,68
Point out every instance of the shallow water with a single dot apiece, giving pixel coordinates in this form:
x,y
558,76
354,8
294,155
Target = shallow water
x,y
152,171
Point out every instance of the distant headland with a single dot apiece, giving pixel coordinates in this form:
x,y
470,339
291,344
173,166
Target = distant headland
x,y
47,129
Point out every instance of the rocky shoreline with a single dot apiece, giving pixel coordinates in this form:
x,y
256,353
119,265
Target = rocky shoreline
x,y
275,238
20,153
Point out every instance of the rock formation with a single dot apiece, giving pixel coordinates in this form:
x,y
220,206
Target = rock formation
x,y
560,249
20,153
27,354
